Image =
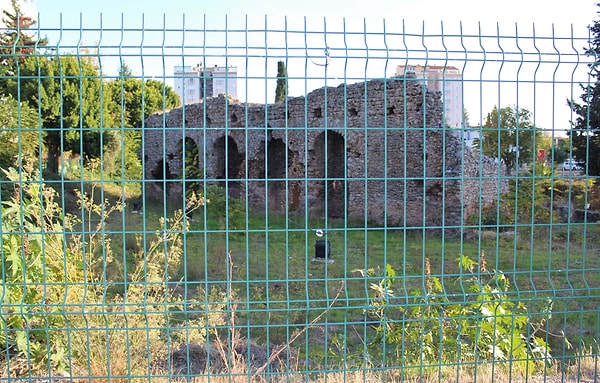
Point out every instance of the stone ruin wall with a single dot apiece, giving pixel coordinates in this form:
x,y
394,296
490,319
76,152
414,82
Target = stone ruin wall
x,y
335,142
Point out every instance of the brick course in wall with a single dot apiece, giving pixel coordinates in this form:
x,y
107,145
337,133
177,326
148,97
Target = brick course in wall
x,y
374,150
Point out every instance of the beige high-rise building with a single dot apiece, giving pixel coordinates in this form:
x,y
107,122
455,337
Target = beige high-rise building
x,y
444,79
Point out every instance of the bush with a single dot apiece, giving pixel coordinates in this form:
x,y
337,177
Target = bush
x,y
57,314
487,325
225,211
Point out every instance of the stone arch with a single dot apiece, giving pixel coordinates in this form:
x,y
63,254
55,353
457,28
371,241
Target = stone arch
x,y
228,164
329,155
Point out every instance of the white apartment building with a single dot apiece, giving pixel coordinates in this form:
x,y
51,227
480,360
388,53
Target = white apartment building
x,y
444,79
192,84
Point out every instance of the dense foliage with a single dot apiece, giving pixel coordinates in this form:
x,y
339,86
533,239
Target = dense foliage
x,y
77,109
484,323
73,101
135,100
585,132
19,131
510,136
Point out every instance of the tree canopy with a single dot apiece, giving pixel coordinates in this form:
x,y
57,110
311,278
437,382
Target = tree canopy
x,y
18,131
79,110
73,100
510,136
135,100
585,130
17,40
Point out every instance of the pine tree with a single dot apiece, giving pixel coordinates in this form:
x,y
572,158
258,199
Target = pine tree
x,y
74,104
282,86
585,133
17,41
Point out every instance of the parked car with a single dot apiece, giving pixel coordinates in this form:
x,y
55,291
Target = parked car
x,y
571,165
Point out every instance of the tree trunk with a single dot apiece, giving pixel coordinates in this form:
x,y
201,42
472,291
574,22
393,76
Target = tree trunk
x,y
52,158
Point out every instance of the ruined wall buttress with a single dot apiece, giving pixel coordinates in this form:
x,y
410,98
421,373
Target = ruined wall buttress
x,y
373,150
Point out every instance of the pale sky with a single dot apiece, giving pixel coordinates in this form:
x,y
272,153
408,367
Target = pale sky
x,y
491,42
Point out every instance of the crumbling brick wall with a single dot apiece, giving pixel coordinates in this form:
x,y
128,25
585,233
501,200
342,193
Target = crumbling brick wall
x,y
374,150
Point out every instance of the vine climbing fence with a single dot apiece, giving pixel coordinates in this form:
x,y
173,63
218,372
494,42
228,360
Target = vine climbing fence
x,y
403,212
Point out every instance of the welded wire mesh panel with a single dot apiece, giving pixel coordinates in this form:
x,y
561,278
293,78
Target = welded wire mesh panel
x,y
289,199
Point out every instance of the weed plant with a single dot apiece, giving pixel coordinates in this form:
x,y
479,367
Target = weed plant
x,y
59,313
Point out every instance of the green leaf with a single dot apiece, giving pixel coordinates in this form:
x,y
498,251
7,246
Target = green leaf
x,y
389,271
15,261
466,263
22,342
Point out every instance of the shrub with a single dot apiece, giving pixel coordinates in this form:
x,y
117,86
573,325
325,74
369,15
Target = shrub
x,y
57,313
228,212
487,325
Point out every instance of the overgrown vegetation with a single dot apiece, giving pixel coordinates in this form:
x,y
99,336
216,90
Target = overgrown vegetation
x,y
483,323
60,312
538,197
73,299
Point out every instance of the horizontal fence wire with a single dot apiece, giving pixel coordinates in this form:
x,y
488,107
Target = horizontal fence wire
x,y
291,199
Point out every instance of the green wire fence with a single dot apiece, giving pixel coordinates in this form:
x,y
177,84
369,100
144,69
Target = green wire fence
x,y
297,200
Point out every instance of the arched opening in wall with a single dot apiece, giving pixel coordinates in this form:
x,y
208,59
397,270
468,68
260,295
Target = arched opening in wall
x,y
228,164
276,158
276,174
329,161
162,175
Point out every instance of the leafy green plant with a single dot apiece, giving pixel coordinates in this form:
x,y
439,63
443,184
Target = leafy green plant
x,y
35,270
488,324
54,278
228,212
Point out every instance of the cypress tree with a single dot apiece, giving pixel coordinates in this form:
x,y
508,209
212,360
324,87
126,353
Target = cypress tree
x,y
282,87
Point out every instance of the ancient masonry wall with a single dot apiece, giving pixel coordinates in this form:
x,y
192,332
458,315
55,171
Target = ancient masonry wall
x,y
373,150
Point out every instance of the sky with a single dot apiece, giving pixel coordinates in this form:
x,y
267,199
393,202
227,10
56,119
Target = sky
x,y
527,53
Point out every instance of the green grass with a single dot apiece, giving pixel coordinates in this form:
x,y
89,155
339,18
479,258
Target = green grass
x,y
280,288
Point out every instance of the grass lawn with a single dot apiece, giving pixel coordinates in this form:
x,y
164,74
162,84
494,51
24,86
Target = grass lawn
x,y
279,287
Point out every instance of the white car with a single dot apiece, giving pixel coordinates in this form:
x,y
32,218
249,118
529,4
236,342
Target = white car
x,y
571,165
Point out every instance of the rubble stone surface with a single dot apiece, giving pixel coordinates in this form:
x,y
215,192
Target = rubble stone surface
x,y
374,151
